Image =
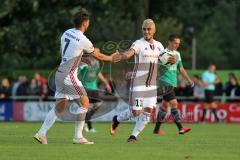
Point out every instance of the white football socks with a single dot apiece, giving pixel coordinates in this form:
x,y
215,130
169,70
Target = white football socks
x,y
80,124
141,121
48,122
78,129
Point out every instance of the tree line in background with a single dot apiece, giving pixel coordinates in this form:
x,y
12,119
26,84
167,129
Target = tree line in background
x,y
30,29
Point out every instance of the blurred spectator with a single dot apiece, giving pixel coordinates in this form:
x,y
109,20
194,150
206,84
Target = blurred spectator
x,y
232,88
5,91
34,88
231,84
218,88
22,89
16,85
42,83
198,90
51,87
227,86
182,89
209,80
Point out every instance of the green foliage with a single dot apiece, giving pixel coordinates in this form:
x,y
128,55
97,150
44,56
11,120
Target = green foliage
x,y
208,48
218,41
30,29
166,27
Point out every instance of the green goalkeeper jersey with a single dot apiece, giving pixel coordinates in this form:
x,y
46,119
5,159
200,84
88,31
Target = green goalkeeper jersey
x,y
168,73
88,74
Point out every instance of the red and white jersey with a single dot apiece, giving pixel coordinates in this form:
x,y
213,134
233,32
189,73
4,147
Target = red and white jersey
x,y
145,68
73,44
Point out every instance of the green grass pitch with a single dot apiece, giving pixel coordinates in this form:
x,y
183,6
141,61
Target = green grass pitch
x,y
205,141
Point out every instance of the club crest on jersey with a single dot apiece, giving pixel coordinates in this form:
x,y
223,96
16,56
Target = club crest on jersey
x,y
146,49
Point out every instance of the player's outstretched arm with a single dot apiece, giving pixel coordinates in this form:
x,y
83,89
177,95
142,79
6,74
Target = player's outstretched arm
x,y
185,74
97,54
123,56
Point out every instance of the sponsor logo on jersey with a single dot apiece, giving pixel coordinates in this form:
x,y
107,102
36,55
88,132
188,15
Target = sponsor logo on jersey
x,y
150,55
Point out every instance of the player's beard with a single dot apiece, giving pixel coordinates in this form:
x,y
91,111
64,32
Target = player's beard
x,y
148,38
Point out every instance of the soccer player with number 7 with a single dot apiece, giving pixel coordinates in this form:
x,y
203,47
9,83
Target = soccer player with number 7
x,y
68,86
143,89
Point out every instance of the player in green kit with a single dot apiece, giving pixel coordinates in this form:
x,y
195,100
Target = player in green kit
x,y
89,73
167,83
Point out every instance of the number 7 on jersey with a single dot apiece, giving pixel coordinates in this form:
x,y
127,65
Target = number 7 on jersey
x,y
66,45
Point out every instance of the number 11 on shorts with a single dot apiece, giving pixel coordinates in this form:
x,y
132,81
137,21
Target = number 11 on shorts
x,y
138,102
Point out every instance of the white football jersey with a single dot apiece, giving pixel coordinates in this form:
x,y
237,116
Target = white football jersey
x,y
73,44
145,68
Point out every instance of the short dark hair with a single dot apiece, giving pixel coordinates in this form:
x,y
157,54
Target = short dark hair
x,y
173,36
80,16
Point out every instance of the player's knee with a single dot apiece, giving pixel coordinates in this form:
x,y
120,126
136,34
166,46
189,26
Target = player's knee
x,y
136,112
86,105
84,102
174,103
